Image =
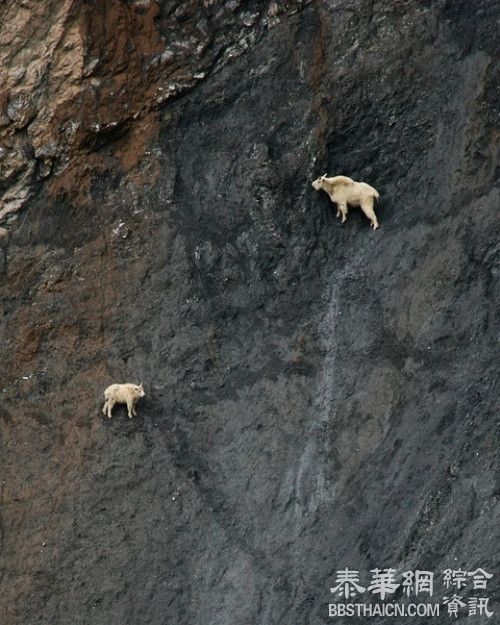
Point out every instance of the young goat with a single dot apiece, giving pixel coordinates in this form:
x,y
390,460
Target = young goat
x,y
122,394
344,191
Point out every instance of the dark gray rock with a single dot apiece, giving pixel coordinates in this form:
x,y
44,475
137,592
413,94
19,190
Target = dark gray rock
x,y
318,396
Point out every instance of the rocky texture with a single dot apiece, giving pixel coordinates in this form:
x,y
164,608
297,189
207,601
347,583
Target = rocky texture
x,y
318,396
95,74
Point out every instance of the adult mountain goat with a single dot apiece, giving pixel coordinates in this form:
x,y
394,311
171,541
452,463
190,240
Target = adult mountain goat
x,y
344,191
122,394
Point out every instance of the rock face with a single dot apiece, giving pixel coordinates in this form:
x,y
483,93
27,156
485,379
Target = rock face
x,y
317,396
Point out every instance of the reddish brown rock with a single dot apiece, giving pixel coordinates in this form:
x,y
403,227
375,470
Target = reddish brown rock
x,y
316,396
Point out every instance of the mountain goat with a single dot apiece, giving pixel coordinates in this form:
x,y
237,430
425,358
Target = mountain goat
x,y
122,394
343,191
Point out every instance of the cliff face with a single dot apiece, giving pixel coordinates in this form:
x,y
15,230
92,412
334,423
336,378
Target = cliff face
x,y
318,396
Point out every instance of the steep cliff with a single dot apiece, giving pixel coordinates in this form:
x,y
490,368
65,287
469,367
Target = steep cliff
x,y
318,395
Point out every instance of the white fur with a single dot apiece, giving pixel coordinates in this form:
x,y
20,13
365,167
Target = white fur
x,y
122,394
344,191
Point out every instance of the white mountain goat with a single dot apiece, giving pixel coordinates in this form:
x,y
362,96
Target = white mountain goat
x,y
122,394
344,191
